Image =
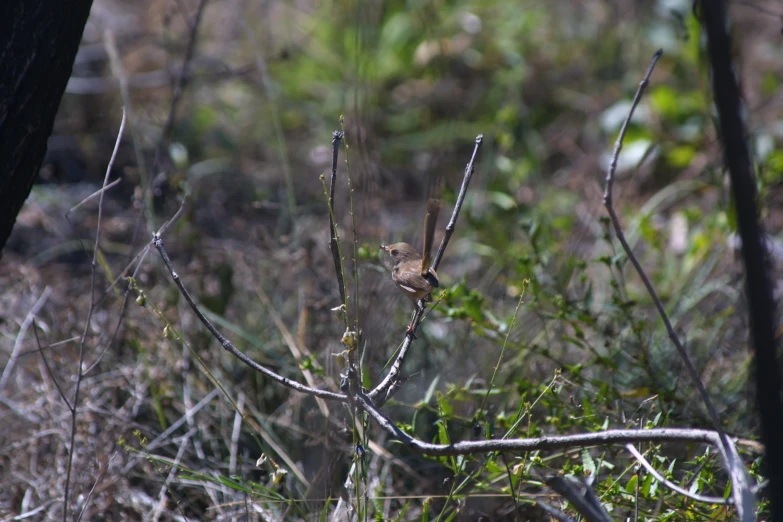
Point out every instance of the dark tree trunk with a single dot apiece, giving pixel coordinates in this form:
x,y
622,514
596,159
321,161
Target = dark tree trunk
x,y
38,43
758,283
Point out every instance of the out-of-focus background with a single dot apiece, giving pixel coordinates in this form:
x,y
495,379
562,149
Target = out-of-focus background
x,y
233,102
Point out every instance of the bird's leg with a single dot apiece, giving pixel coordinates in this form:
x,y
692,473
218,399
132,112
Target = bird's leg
x,y
416,313
411,330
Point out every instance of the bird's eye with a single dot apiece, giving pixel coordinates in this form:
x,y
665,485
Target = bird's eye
x,y
394,252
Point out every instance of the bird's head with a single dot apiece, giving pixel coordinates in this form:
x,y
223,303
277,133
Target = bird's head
x,y
401,252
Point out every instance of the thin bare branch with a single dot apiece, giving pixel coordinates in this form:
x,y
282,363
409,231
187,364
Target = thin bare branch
x,y
618,146
29,320
103,467
671,485
140,257
458,205
48,368
337,136
83,341
121,314
105,186
732,462
547,443
228,346
608,203
94,195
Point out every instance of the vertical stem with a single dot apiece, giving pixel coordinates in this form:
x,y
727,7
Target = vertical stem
x,y
334,244
355,239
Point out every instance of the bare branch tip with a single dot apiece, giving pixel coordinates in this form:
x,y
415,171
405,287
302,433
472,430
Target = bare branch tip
x,y
653,63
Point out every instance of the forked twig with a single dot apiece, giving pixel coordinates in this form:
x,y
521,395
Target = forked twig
x,y
383,391
49,371
73,407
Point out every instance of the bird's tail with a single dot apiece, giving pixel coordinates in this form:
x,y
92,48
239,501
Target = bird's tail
x,y
430,220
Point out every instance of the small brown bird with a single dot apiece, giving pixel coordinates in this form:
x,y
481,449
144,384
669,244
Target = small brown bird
x,y
412,273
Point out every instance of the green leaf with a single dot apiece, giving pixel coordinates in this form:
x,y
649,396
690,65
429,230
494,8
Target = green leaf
x,y
431,390
588,463
695,486
646,485
445,407
472,305
502,200
443,435
630,487
403,511
653,489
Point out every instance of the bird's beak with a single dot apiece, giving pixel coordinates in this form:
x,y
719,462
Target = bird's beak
x,y
385,248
